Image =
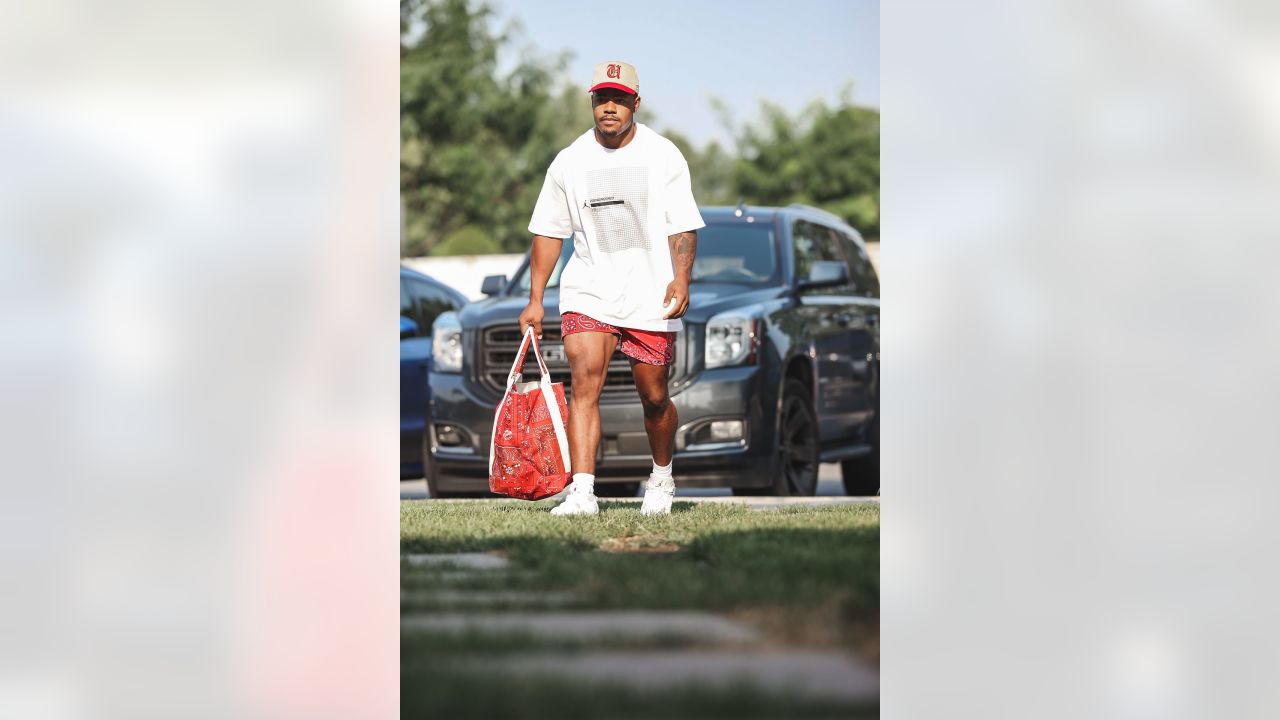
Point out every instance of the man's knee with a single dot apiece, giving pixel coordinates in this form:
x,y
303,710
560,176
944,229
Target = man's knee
x,y
586,393
588,381
653,398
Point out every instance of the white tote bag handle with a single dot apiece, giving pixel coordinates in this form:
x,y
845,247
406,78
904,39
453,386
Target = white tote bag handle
x,y
548,397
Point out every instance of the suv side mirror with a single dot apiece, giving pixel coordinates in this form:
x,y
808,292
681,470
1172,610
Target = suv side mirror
x,y
408,328
493,284
825,273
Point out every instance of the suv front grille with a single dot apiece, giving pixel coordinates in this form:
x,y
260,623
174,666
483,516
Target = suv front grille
x,y
499,345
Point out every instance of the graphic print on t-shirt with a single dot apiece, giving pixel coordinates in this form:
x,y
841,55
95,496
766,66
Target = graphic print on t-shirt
x,y
618,203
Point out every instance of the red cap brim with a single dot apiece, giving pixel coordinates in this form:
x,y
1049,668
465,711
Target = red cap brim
x,y
615,86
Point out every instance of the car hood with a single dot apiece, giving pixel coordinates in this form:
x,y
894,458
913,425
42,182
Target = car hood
x,y
504,308
706,299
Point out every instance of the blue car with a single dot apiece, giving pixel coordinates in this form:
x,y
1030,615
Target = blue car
x,y
421,300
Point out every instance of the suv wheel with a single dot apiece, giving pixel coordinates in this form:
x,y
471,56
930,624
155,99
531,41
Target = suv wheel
x,y
861,475
796,469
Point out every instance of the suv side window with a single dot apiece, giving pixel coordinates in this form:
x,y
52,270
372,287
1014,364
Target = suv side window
x,y
427,302
814,243
860,267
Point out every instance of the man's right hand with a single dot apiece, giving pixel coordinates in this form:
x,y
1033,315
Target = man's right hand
x,y
532,315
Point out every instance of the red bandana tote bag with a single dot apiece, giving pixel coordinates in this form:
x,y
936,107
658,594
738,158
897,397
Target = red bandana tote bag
x,y
529,450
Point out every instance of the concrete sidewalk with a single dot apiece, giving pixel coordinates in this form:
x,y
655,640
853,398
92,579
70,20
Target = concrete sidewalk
x,y
766,503
590,624
809,673
756,503
830,492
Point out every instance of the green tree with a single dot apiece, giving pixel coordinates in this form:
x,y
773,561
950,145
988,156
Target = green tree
x,y
828,157
474,146
467,240
710,170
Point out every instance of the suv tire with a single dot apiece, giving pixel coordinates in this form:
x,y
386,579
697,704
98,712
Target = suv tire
x,y
861,475
795,467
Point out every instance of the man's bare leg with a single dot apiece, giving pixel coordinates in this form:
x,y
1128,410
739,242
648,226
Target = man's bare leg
x,y
588,354
660,420
659,412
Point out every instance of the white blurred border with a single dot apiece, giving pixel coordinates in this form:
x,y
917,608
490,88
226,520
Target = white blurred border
x,y
1079,242
199,212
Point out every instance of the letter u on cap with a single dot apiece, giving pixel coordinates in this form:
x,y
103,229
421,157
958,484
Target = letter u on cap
x,y
616,74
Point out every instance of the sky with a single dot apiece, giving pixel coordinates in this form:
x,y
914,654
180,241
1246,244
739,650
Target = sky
x,y
791,53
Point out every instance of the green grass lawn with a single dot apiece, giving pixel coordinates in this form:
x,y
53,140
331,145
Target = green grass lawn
x,y
806,577
702,556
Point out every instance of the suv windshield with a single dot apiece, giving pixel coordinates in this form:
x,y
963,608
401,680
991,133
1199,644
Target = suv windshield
x,y
727,252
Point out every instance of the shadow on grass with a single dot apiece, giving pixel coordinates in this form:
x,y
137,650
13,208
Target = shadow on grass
x,y
817,586
804,579
432,688
715,568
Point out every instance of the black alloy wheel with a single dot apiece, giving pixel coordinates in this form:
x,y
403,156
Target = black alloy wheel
x,y
798,450
795,467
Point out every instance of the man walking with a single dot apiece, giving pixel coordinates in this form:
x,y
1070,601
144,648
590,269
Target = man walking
x,y
622,192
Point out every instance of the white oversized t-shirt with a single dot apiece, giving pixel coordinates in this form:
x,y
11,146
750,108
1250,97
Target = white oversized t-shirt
x,y
619,206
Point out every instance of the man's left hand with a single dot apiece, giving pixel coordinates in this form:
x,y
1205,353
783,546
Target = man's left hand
x,y
677,299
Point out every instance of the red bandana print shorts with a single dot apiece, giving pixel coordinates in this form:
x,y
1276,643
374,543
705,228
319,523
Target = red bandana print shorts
x,y
647,346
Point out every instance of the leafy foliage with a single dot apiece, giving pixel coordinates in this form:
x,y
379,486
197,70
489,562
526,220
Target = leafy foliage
x,y
475,145
828,157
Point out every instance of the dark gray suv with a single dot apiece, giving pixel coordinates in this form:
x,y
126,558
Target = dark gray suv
x,y
776,370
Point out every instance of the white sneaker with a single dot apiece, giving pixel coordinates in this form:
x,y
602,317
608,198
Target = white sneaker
x,y
658,493
579,501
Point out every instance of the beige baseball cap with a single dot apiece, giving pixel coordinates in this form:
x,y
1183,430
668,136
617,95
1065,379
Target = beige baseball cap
x,y
616,74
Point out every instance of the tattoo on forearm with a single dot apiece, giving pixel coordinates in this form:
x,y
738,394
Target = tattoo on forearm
x,y
683,248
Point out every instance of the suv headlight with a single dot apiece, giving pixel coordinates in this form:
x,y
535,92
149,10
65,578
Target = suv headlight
x,y
446,343
732,338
